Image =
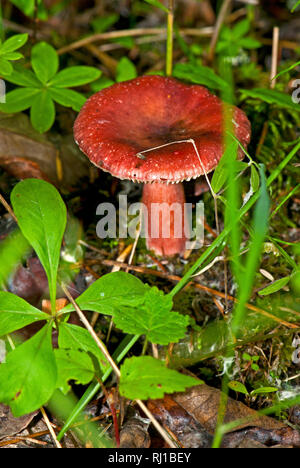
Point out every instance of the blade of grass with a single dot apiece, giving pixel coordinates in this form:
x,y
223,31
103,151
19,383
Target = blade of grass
x,y
223,235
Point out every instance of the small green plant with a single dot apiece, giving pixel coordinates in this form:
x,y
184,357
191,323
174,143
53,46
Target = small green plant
x,y
233,40
241,388
31,7
8,52
33,369
43,86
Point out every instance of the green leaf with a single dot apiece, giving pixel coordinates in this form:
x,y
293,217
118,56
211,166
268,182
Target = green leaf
x,y
16,313
41,215
6,68
110,292
102,83
262,390
103,23
249,43
75,76
12,249
42,112
145,377
75,337
44,61
241,28
73,365
28,377
157,4
254,179
271,96
19,100
13,43
27,6
67,98
200,75
13,56
221,172
238,387
126,70
275,286
23,77
153,319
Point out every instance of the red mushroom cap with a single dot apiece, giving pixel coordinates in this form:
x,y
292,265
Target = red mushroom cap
x,y
120,121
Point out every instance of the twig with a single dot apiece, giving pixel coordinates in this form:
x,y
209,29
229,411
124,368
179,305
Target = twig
x,y
8,208
220,20
204,32
115,367
275,53
51,430
170,32
175,278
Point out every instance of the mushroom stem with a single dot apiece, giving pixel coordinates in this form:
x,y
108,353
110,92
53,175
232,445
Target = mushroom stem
x,y
165,219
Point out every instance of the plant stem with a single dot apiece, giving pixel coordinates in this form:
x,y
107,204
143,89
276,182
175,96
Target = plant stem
x,y
170,28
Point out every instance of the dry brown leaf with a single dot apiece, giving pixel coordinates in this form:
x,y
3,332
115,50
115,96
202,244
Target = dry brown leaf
x,y
9,425
25,153
134,433
192,418
202,402
181,424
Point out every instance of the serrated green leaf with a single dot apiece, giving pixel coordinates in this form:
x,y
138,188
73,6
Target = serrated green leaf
x,y
154,319
73,365
145,377
19,100
13,43
28,376
200,75
74,337
41,215
110,292
67,98
157,4
15,313
275,286
44,61
271,96
42,112
75,76
238,387
126,70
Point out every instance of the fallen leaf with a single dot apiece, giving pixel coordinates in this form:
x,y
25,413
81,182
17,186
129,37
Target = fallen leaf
x,y
9,425
134,433
25,153
202,402
188,431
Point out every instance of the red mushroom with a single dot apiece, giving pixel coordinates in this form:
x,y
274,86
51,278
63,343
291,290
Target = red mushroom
x,y
117,126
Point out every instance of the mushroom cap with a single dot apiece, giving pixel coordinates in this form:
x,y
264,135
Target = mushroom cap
x,y
121,121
